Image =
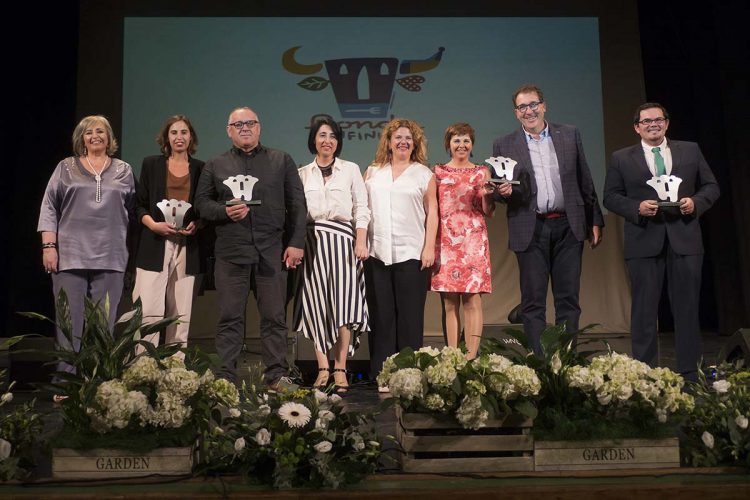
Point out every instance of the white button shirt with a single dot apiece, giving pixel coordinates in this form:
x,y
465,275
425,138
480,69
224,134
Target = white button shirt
x,y
397,229
666,153
343,198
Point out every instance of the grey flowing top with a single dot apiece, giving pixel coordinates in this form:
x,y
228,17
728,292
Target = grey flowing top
x,y
90,235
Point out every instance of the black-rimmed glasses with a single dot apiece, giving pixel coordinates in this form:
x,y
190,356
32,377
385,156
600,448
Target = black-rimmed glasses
x,y
247,123
649,121
532,106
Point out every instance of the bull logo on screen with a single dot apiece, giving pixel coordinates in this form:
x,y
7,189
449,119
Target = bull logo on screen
x,y
363,86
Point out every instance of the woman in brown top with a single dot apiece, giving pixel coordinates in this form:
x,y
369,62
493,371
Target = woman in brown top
x,y
168,257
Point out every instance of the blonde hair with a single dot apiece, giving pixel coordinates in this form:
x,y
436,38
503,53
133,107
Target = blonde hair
x,y
79,148
383,153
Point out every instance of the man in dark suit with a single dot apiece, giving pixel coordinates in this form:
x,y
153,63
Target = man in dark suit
x,y
659,238
550,214
250,241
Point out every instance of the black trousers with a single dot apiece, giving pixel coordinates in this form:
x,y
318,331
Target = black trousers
x,y
396,296
554,253
683,285
233,283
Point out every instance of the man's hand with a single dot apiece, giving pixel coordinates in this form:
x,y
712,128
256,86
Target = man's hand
x,y
428,256
687,206
596,236
648,208
293,257
189,230
237,212
505,189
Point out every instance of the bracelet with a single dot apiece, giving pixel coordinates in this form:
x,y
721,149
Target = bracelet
x,y
50,244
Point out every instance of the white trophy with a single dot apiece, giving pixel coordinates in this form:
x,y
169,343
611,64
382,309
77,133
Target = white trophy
x,y
666,187
242,189
503,169
174,212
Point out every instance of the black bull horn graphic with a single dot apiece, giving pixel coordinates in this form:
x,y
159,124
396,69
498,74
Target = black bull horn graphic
x,y
363,86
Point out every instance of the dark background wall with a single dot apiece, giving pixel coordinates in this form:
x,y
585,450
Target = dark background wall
x,y
694,62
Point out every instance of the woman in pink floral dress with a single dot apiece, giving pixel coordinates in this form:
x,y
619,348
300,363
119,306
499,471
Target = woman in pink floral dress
x,y
462,257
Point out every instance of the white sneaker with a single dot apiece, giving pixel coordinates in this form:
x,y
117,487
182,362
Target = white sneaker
x,y
383,389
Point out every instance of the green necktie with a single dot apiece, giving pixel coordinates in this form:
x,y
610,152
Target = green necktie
x,y
659,162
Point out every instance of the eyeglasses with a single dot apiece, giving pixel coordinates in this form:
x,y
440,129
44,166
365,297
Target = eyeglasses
x,y
649,121
239,124
532,106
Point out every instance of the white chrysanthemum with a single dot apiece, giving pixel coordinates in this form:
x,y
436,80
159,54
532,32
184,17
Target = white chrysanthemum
x,y
294,414
741,421
406,383
323,447
721,386
263,437
239,444
708,439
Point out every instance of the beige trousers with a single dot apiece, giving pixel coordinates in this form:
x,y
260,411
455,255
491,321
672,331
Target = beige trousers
x,y
168,292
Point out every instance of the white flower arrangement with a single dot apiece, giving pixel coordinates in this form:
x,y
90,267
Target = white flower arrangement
x,y
621,383
431,380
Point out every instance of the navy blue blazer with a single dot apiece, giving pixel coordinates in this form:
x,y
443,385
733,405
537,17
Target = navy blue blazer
x,y
581,203
625,188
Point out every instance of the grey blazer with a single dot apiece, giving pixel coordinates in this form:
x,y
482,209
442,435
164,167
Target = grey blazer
x,y
625,188
581,203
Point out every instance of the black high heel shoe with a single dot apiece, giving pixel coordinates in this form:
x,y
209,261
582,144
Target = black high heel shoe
x,y
340,386
322,381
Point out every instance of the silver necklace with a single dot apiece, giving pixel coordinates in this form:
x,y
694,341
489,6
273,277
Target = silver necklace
x,y
98,177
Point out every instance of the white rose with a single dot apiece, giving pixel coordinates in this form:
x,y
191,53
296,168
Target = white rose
x,y
334,398
234,412
721,386
604,399
326,415
263,437
239,444
556,363
708,439
7,397
358,445
741,422
321,396
4,449
323,447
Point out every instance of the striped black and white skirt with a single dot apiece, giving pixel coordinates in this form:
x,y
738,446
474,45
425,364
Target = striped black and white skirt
x,y
331,293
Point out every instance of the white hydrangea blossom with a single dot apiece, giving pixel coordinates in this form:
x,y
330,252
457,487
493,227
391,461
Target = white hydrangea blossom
x,y
406,383
441,374
144,370
434,402
470,414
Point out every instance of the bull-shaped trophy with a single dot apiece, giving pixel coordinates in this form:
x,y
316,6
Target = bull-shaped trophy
x,y
174,212
503,169
242,189
362,86
667,187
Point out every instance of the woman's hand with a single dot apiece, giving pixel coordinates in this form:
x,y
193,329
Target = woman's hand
x,y
49,259
163,229
190,230
428,257
361,251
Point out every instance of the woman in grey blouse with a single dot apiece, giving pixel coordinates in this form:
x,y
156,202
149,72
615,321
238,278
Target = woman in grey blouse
x,y
84,222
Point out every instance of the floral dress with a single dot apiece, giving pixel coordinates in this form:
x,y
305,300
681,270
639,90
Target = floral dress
x,y
462,253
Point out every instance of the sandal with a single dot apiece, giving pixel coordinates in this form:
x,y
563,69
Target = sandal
x,y
340,380
322,380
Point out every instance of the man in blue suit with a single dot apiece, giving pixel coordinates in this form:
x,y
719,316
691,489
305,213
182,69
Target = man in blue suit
x,y
662,238
550,214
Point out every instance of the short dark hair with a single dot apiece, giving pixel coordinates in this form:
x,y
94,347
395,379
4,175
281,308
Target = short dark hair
x,y
457,129
319,121
527,88
648,105
163,138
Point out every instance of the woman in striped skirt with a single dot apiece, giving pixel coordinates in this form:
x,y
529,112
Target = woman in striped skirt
x,y
330,307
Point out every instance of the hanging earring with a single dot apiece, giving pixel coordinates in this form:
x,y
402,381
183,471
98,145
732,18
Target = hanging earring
x,y
85,151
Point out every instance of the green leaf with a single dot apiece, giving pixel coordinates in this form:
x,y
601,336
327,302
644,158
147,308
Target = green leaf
x,y
314,83
526,408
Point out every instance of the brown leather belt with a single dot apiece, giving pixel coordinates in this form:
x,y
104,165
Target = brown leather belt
x,y
551,215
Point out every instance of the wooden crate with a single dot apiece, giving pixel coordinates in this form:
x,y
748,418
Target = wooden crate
x,y
438,443
68,463
607,454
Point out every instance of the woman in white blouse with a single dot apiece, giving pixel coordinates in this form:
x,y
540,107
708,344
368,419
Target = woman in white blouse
x,y
402,239
330,306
